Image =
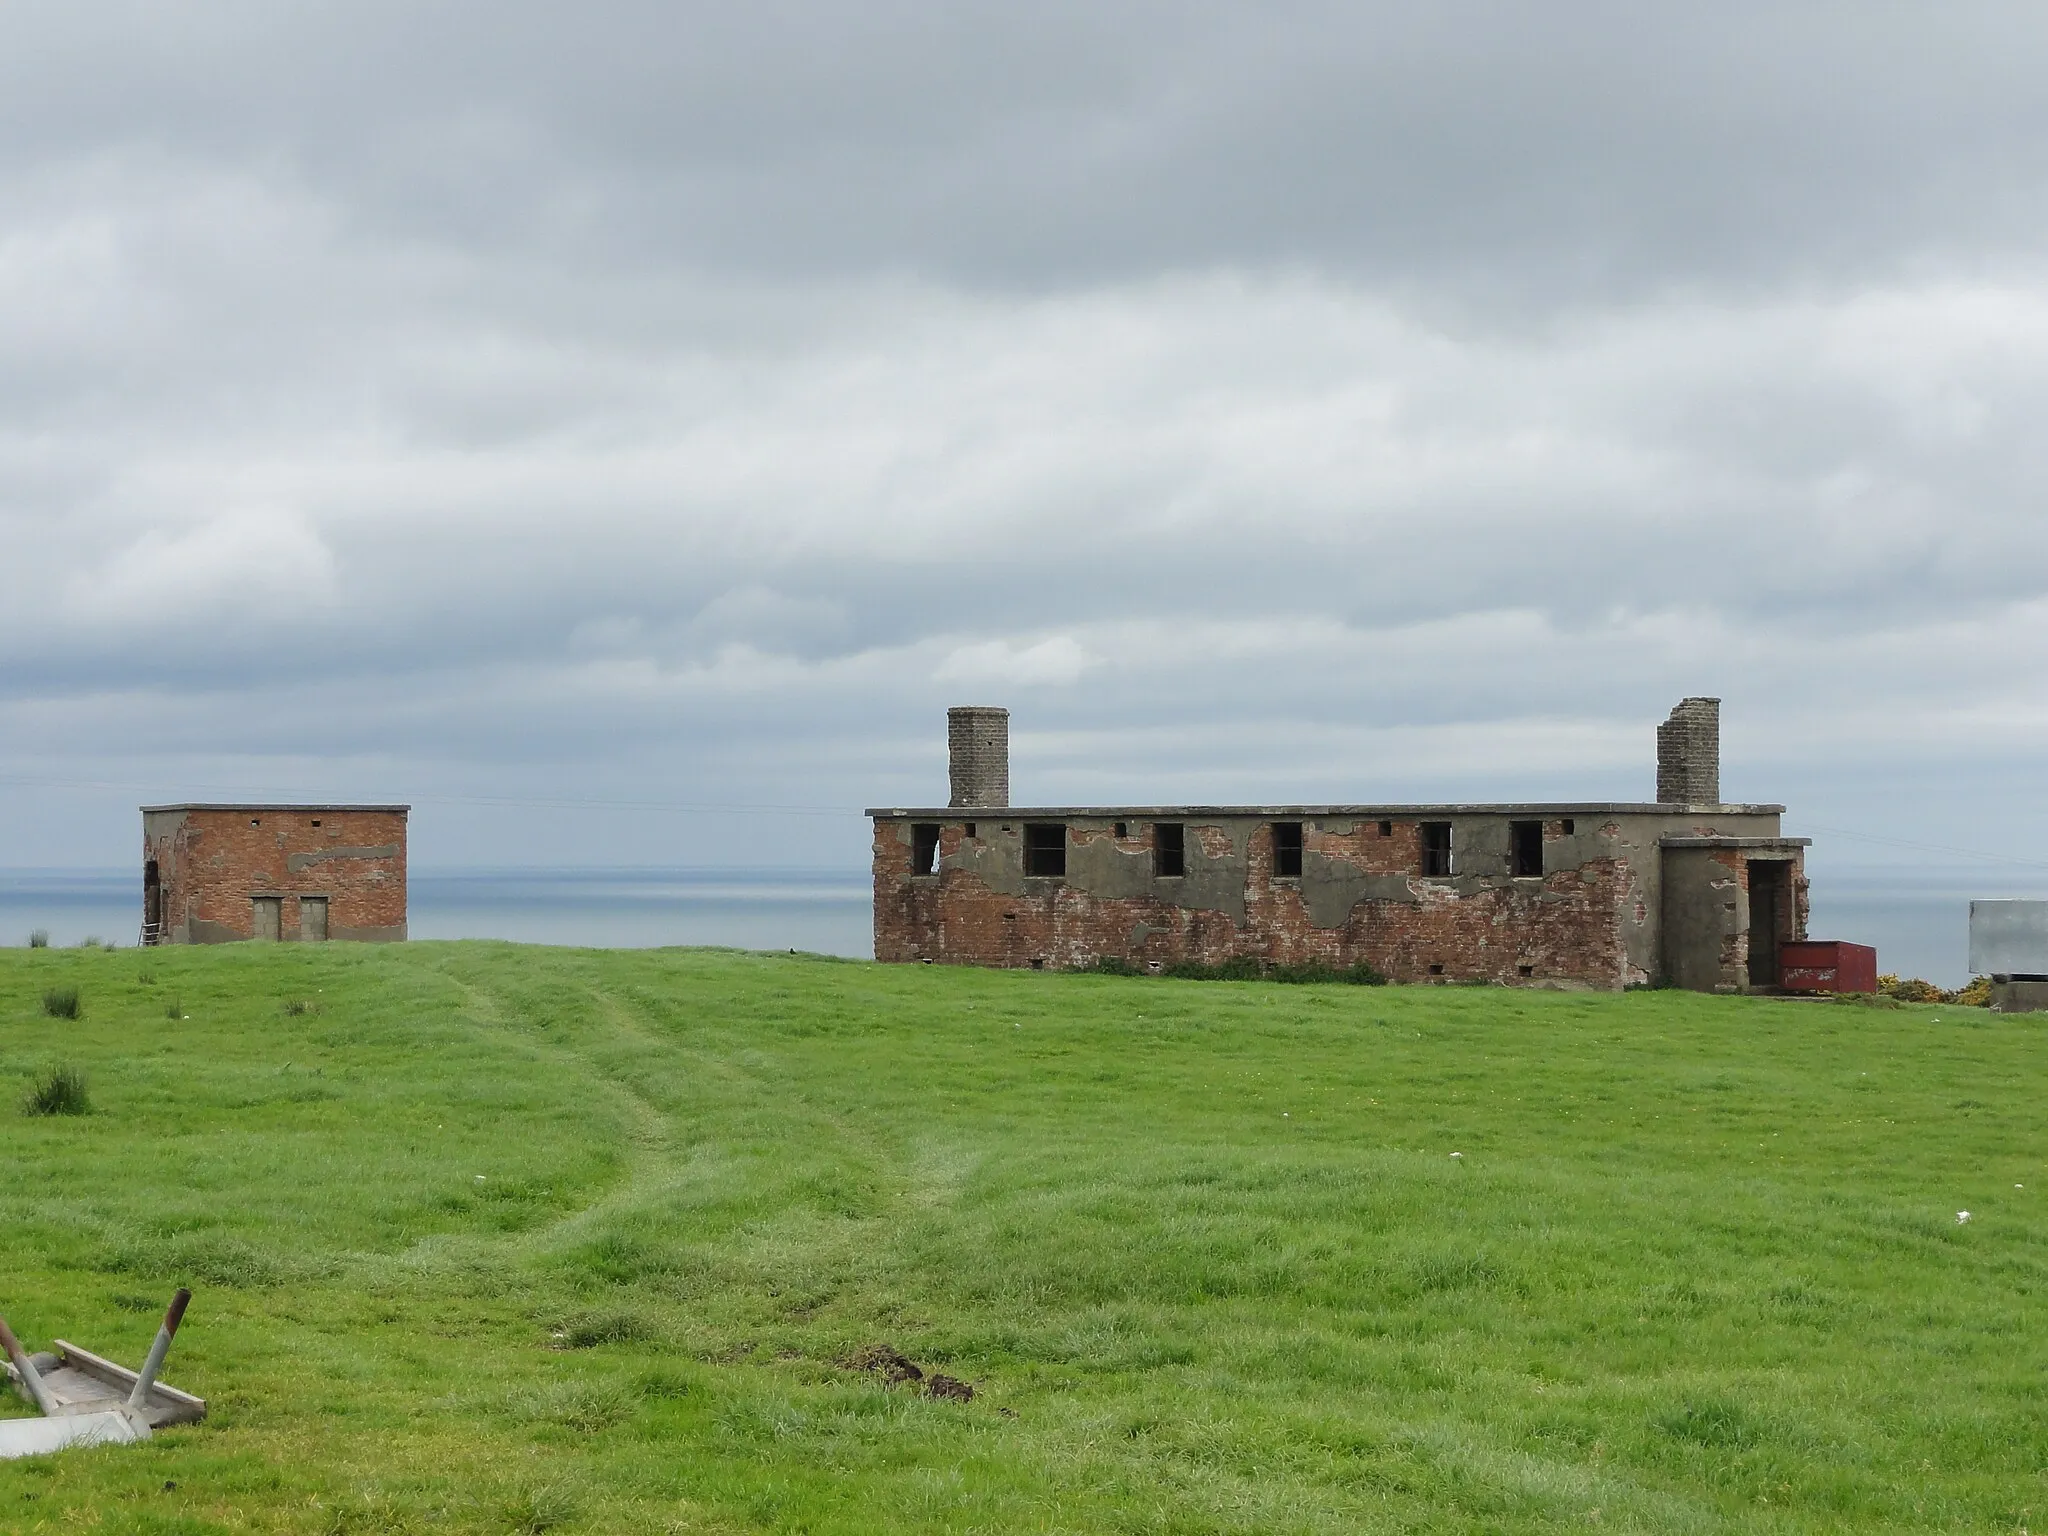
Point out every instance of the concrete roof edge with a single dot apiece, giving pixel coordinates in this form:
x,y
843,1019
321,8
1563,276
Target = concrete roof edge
x,y
1725,840
1269,812
195,805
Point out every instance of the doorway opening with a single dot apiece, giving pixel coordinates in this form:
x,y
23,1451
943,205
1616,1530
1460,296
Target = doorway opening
x,y
1770,918
152,904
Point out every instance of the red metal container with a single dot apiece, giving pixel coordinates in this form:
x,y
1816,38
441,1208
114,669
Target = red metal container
x,y
1827,965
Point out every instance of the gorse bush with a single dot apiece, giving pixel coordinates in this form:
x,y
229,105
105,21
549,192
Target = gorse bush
x,y
62,1003
61,1092
1911,989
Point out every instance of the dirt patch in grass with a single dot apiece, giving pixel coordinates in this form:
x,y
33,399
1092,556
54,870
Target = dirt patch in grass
x,y
898,1369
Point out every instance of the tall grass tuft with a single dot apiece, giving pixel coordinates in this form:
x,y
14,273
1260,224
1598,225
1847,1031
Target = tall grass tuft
x,y
39,939
62,1003
61,1092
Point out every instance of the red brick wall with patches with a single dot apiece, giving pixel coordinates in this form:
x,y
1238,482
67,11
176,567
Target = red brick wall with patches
x,y
1565,926
311,872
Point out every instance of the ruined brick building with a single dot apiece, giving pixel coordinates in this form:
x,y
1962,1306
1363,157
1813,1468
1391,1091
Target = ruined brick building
x,y
1685,890
215,873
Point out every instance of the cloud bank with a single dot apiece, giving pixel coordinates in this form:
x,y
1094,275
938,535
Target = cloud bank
x,y
515,409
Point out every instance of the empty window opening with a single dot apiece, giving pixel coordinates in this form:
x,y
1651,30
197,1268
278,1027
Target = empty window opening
x,y
924,848
1436,970
1570,826
1169,849
313,919
1386,829
1436,847
1525,849
1287,850
1038,964
968,829
1045,849
1525,970
1123,829
266,918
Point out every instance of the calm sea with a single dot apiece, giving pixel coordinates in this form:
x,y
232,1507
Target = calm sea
x,y
1918,918
825,911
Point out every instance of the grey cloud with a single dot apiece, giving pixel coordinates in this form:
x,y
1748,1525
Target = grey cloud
x,y
668,402
1501,148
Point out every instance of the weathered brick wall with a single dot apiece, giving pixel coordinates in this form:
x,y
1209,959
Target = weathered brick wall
x,y
213,861
1565,927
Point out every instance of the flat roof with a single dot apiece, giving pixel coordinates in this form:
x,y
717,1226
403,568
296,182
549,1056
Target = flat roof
x,y
194,805
1279,812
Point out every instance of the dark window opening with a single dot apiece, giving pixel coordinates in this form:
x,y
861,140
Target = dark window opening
x,y
1525,849
1287,850
924,848
1045,849
316,821
1570,826
1386,829
1436,970
1169,848
1436,847
1038,964
968,829
1525,970
1123,829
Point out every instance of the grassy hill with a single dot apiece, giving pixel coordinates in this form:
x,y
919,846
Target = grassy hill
x,y
490,1238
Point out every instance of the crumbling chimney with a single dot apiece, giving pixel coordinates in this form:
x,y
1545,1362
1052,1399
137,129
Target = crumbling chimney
x,y
1689,754
978,751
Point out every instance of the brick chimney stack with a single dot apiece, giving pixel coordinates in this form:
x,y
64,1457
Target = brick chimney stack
x,y
1689,754
978,750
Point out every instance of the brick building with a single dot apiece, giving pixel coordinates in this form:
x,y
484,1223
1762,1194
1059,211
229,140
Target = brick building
x,y
1684,890
212,874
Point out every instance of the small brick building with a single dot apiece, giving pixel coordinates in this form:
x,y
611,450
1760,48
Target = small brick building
x,y
212,874
1683,890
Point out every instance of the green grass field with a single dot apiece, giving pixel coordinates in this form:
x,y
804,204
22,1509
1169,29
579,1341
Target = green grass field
x,y
488,1238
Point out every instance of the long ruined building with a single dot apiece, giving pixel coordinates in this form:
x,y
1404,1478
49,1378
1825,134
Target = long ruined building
x,y
1686,891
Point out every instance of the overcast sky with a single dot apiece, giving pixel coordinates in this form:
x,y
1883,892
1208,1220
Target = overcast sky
x,y
515,408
